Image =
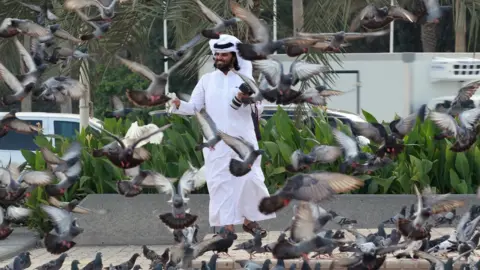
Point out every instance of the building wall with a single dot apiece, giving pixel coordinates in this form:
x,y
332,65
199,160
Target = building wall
x,y
396,83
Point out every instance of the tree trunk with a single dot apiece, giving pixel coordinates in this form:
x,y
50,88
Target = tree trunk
x,y
84,104
429,37
26,105
460,27
255,10
297,9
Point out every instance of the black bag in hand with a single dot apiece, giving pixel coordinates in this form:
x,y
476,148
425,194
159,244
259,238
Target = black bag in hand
x,y
256,124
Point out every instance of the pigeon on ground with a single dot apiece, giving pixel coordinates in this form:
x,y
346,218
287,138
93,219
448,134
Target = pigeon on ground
x,y
126,265
53,264
96,264
401,214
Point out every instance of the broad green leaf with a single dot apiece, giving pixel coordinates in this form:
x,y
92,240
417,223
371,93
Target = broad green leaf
x,y
272,148
29,157
455,181
278,170
285,150
369,117
461,165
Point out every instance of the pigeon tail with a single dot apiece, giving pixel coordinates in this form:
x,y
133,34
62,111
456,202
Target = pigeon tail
x,y
87,37
458,147
5,232
272,204
53,190
9,99
126,188
422,112
238,168
199,147
97,152
108,115
310,245
210,34
248,52
178,222
439,137
294,51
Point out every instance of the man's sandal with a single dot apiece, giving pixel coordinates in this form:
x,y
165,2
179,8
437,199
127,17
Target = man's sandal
x,y
253,227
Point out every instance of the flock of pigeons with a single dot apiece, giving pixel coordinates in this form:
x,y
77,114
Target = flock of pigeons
x,y
128,153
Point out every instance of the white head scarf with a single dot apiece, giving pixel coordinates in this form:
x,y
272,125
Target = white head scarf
x,y
228,43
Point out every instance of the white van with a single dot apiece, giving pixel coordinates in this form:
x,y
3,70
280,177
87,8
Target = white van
x,y
62,124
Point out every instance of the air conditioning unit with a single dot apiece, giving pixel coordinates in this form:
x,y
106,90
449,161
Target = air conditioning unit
x,y
454,69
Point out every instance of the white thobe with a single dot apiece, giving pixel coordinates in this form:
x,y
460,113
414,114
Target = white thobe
x,y
231,198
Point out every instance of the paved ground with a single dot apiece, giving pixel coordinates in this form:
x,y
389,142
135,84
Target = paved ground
x,y
20,239
119,254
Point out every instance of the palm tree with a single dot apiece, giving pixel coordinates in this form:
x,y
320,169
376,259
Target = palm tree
x,y
134,28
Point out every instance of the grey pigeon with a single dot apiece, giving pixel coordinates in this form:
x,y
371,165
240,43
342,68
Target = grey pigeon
x,y
96,264
208,129
178,218
53,264
221,25
65,230
464,133
341,220
252,245
69,158
176,55
126,265
273,71
401,214
245,151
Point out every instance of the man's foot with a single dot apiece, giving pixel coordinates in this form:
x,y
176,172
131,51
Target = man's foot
x,y
229,229
252,227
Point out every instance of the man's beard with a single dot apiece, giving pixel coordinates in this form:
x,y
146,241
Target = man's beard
x,y
223,66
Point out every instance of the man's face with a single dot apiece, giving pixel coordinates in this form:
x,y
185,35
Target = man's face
x,y
223,60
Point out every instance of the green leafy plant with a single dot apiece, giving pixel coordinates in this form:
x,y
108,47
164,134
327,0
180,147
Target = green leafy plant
x,y
424,161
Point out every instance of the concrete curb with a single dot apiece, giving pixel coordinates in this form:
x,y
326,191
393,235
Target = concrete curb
x,y
134,221
21,239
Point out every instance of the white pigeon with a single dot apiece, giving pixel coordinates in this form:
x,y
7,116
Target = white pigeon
x,y
135,132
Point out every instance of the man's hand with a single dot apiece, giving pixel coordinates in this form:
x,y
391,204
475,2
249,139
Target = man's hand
x,y
176,102
242,96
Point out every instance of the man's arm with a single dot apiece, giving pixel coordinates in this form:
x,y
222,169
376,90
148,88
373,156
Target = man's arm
x,y
196,102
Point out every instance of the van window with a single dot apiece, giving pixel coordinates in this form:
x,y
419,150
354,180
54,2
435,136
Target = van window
x,y
18,141
66,129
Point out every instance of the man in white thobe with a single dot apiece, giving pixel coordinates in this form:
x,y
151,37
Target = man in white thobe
x,y
233,200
